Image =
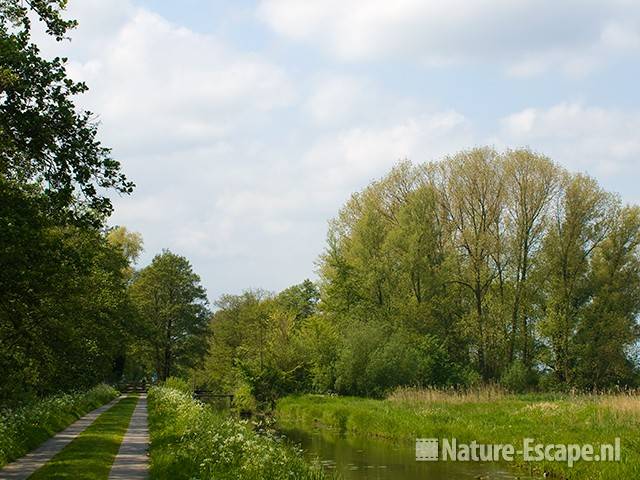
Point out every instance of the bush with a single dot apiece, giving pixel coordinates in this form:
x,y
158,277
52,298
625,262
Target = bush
x,y
26,427
189,440
518,378
178,384
243,400
375,360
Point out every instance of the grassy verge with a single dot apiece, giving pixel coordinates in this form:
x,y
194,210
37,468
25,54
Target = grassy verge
x,y
91,454
498,420
24,428
189,440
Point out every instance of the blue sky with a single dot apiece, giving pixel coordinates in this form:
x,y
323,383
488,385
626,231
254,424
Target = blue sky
x,y
247,124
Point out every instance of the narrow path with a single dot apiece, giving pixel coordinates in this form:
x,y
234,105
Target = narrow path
x,y
27,465
132,462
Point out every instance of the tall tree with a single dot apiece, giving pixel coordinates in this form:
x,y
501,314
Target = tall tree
x,y
501,257
583,219
531,183
472,197
608,327
173,306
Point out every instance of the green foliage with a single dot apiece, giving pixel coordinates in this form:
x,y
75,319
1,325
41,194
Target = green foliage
x,y
518,378
91,454
257,342
320,339
44,139
189,440
130,244
373,361
243,399
486,267
24,428
173,309
179,384
501,259
65,311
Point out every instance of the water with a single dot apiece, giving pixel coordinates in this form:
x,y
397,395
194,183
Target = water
x,y
365,458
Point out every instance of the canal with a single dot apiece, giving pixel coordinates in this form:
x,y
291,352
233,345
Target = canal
x,y
358,458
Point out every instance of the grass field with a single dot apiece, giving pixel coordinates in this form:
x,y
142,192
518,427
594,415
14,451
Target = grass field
x,y
489,417
91,454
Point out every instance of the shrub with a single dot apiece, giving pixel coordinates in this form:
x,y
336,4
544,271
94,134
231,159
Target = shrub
x,y
178,384
26,427
518,378
375,360
189,440
243,400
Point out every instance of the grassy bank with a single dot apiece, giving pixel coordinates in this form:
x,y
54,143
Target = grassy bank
x,y
24,428
487,417
91,454
191,441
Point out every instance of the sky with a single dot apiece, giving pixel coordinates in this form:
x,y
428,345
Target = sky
x,y
247,124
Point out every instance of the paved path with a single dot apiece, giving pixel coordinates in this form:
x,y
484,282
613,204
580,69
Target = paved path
x,y
27,465
132,462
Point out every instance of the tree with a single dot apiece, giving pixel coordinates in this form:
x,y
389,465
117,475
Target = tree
x,y
504,259
173,307
44,139
472,200
583,220
129,243
63,302
532,181
608,327
301,299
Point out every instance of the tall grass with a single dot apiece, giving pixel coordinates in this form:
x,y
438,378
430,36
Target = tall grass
x,y
624,404
192,441
24,428
412,395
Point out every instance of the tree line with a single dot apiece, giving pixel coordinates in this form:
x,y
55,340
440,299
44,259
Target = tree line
x,y
483,267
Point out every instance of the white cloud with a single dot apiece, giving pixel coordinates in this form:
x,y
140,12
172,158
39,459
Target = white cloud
x,y
528,37
339,98
355,156
159,86
621,35
603,142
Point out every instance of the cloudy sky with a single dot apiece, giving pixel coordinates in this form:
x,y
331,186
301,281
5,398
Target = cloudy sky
x,y
246,124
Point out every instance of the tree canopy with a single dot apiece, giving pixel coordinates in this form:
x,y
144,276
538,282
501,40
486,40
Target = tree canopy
x,y
173,308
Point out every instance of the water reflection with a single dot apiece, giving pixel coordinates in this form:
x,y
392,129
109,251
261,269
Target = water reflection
x,y
371,459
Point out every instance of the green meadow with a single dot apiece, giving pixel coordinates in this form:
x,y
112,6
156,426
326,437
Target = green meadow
x,y
489,417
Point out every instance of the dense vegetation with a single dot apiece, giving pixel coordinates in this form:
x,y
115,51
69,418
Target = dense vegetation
x,y
172,311
484,267
24,428
189,440
508,262
73,312
487,416
63,304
